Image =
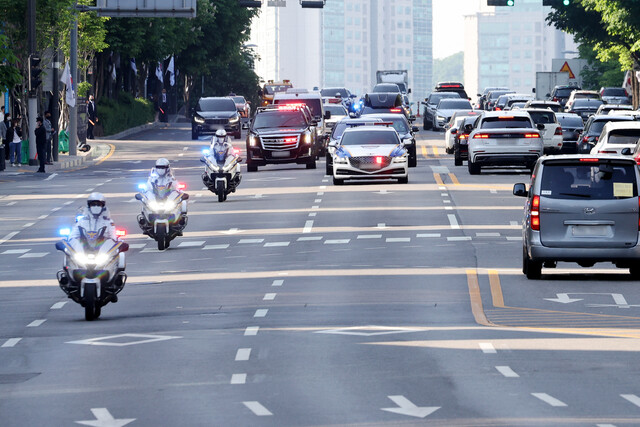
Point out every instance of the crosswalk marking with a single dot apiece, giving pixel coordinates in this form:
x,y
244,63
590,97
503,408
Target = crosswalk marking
x,y
337,242
34,255
191,244
276,244
137,245
15,251
209,247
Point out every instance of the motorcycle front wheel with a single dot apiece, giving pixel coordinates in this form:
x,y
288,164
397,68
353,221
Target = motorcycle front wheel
x,y
220,191
91,309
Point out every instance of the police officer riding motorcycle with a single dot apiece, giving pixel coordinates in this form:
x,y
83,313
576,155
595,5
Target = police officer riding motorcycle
x,y
222,166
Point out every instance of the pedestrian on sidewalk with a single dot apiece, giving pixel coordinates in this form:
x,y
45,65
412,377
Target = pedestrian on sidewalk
x,y
2,113
92,116
14,135
164,106
4,126
41,143
48,127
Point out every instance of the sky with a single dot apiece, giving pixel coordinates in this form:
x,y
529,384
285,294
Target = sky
x,y
448,25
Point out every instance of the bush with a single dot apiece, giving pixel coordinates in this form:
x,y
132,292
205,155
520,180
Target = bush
x,y
124,113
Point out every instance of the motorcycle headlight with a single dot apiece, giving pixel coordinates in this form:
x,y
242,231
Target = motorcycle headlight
x,y
81,258
235,119
198,119
340,160
100,260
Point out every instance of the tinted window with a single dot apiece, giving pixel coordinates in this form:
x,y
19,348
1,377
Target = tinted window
x,y
504,122
624,136
587,96
217,104
369,138
238,99
400,125
340,127
587,103
564,92
543,117
387,87
435,98
275,119
614,91
570,121
588,181
332,92
498,94
336,110
450,104
315,105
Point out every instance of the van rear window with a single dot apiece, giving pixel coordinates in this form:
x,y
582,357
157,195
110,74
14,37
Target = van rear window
x,y
500,123
601,181
624,136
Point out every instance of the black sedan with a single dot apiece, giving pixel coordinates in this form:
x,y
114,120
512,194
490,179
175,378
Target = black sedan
x,y
212,114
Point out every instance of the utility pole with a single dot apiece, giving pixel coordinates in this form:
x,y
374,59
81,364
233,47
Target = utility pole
x,y
32,106
73,60
55,112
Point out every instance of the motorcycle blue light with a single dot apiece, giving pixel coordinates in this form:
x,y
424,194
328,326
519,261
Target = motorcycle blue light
x,y
206,151
142,186
79,217
65,231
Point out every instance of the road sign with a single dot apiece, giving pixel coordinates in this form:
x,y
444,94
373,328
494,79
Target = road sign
x,y
147,8
567,69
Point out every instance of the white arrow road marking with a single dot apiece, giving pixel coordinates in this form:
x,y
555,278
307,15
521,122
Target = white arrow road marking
x,y
406,407
257,409
631,398
548,399
563,299
618,299
105,419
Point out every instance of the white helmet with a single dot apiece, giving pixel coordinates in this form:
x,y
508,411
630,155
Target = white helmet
x,y
96,203
221,135
162,167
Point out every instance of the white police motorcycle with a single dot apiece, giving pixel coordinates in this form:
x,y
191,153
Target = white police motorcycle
x,y
164,212
222,168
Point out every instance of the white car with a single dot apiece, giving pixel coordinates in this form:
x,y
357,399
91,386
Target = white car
x,y
338,112
616,136
336,135
450,134
370,152
504,138
551,131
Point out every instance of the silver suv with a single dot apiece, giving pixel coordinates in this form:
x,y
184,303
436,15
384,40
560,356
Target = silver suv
x,y
582,209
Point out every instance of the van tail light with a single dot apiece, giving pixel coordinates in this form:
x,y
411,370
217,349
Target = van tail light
x,y
555,99
465,135
121,233
535,213
558,131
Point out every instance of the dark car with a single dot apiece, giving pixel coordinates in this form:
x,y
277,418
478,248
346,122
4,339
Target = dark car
x,y
585,107
386,87
384,102
493,96
452,87
562,93
212,114
483,98
430,105
593,128
282,134
615,95
461,140
572,126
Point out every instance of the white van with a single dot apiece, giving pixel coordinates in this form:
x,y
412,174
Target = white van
x,y
312,99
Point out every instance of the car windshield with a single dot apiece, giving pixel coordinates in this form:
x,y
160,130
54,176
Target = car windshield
x,y
336,110
435,99
564,91
614,91
452,104
596,126
586,95
238,99
370,138
498,94
279,119
588,181
624,136
571,121
218,104
543,117
386,87
271,89
315,105
333,91
505,122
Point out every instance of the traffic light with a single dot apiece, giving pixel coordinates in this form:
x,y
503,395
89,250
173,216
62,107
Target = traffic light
x,y
314,4
500,2
34,72
556,3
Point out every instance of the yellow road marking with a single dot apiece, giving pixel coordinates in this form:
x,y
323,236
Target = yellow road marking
x,y
454,179
435,150
496,289
476,298
424,151
112,149
438,178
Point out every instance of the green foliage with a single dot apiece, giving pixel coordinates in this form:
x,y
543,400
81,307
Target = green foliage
x,y
9,71
83,89
599,73
450,68
123,113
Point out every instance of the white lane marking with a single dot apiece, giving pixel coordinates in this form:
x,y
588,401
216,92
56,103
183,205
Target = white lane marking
x,y
68,203
257,408
370,236
514,223
276,244
320,193
238,379
408,408
605,425
446,201
261,312
493,191
8,237
36,323
442,188
11,203
137,245
11,342
58,305
231,231
42,216
185,148
15,251
381,225
514,238
89,190
308,226
313,214
631,398
487,234
448,208
249,241
453,222
105,419
209,247
251,331
315,207
487,347
444,194
325,180
317,201
181,154
429,235
29,224
199,195
458,238
549,399
278,282
243,354
398,239
50,177
507,371
100,184
191,244
269,297
55,209
308,239
324,187
337,242
34,255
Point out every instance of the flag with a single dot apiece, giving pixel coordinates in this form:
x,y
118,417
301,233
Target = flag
x,y
68,81
171,71
627,82
133,66
159,72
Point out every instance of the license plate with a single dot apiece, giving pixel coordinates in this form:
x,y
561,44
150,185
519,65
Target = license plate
x,y
281,154
590,230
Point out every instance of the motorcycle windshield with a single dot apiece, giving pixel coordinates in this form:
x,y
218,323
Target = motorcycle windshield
x,y
162,191
92,239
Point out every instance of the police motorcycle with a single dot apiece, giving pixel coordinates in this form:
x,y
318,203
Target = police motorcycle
x,y
222,167
164,206
92,272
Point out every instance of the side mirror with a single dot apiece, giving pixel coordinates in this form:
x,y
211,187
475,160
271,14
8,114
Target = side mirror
x,y
124,247
185,196
533,90
407,139
548,95
203,160
138,196
478,95
540,126
327,115
415,129
454,131
412,118
60,246
314,123
409,91
626,151
333,144
426,100
520,190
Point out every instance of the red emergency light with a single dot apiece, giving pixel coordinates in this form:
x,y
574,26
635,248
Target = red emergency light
x,y
378,160
121,233
182,186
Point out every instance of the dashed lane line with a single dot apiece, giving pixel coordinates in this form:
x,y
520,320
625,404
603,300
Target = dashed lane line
x,y
337,242
487,347
507,372
191,244
257,408
251,331
261,312
278,282
58,305
211,247
238,379
309,239
50,177
8,237
36,323
250,241
15,251
631,398
308,226
276,244
243,354
369,236
453,222
34,255
11,342
269,297
549,399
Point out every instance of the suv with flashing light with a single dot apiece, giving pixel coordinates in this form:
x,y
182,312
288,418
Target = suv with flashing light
x,y
283,134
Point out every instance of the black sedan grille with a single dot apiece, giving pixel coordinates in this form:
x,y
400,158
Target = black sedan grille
x,y
280,142
216,121
370,163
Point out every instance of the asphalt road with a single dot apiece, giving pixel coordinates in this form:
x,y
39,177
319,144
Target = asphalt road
x,y
297,303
